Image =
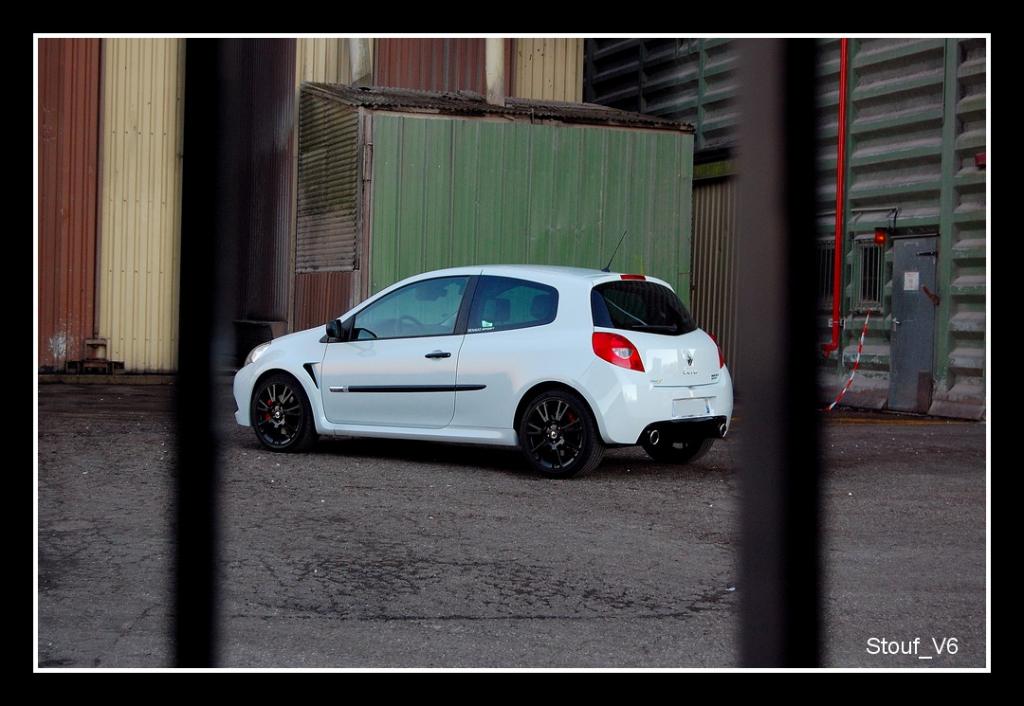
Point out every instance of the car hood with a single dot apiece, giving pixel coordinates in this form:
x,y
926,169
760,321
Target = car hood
x,y
310,335
304,344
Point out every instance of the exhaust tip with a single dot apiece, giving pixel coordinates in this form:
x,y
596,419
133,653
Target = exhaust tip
x,y
654,436
721,429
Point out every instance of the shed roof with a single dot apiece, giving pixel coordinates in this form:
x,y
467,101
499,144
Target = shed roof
x,y
470,103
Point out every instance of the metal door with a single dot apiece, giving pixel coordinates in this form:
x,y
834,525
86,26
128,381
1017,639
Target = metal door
x,y
914,299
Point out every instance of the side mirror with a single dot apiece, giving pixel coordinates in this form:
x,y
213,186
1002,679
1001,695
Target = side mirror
x,y
334,330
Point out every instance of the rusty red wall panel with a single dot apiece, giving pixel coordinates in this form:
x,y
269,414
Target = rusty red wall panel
x,y
69,89
320,296
431,64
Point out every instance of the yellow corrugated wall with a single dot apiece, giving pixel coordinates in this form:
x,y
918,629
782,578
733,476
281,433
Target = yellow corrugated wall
x,y
549,69
325,59
322,59
140,201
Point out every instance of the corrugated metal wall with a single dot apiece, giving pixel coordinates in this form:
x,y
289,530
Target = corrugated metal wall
x,y
916,120
451,192
436,64
69,80
548,69
430,64
693,80
320,296
827,102
894,158
327,235
714,264
140,201
323,59
960,351
613,73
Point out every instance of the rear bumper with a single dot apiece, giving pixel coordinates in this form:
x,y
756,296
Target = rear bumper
x,y
688,429
626,403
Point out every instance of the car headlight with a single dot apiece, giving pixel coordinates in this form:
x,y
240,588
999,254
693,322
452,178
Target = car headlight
x,y
256,352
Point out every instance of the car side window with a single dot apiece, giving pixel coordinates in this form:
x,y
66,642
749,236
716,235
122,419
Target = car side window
x,y
426,308
503,303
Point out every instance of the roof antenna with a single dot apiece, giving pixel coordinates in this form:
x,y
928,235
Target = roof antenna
x,y
606,267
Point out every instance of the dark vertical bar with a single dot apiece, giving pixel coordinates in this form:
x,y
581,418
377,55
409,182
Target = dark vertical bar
x,y
779,561
589,47
195,625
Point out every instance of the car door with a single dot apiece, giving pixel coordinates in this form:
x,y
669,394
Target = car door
x,y
398,366
508,334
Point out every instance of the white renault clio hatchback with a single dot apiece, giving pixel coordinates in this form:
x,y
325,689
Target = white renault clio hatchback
x,y
561,362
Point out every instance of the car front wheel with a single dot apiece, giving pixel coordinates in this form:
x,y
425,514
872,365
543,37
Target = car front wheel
x,y
558,435
281,415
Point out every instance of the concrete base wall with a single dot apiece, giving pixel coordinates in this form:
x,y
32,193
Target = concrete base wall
x,y
965,400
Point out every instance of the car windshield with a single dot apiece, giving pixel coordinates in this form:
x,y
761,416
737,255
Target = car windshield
x,y
640,306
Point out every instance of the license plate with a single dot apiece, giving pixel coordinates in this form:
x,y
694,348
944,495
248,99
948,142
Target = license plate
x,y
694,407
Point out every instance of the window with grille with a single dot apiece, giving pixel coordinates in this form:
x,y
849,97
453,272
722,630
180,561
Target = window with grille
x,y
871,260
826,271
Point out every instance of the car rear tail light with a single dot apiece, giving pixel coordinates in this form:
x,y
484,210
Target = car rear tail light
x,y
721,355
617,350
641,277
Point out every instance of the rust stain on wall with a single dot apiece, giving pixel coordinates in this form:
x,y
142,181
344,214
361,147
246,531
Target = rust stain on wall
x,y
322,296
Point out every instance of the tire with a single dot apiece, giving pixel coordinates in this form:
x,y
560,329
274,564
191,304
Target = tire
x,y
281,415
553,424
677,452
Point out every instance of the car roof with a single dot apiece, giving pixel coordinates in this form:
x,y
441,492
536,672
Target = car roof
x,y
547,273
583,272
553,275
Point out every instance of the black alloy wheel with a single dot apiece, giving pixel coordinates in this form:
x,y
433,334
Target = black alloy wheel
x,y
281,415
558,435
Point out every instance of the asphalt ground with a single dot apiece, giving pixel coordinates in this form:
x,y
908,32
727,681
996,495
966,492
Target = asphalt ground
x,y
407,554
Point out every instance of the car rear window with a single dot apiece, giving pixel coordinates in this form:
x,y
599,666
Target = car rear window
x,y
640,306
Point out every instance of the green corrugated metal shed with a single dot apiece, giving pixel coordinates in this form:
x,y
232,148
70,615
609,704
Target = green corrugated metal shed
x,y
447,180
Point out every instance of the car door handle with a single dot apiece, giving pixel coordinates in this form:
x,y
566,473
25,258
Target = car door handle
x,y
438,354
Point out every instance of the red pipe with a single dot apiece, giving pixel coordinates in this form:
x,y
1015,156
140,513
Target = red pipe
x,y
837,268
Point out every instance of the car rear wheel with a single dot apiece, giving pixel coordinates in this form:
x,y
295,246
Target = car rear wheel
x,y
281,415
678,451
558,435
